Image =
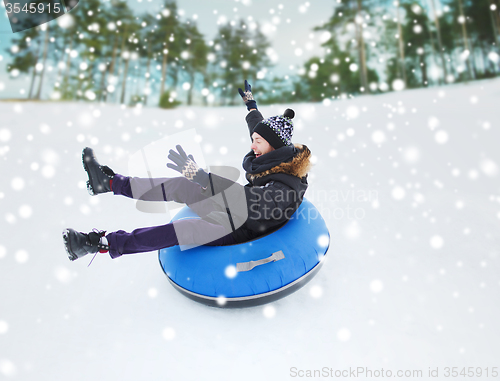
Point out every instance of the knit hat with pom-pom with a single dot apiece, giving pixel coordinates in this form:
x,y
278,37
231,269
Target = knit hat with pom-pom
x,y
277,130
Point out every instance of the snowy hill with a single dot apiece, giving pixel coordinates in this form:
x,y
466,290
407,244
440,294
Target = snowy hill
x,y
408,184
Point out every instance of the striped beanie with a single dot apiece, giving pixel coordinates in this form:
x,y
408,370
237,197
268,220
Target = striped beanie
x,y
277,130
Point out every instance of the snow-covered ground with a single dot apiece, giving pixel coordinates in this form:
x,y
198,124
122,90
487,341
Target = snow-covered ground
x,y
408,184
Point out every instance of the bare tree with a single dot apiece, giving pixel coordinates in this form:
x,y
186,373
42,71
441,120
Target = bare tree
x,y
359,20
463,21
440,40
401,45
44,60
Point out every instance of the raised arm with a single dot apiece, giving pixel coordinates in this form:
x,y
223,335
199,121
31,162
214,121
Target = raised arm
x,y
254,116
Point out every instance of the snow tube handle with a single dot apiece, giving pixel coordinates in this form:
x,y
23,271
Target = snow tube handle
x,y
247,266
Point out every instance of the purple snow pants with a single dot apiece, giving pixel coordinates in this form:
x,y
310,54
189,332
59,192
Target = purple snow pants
x,y
179,189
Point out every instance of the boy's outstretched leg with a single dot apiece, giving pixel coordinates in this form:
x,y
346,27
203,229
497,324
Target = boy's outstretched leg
x,y
103,179
100,176
182,232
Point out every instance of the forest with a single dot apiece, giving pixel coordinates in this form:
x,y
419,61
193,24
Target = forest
x,y
103,52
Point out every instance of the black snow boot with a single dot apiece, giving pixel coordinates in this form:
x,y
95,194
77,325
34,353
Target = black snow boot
x,y
80,244
99,175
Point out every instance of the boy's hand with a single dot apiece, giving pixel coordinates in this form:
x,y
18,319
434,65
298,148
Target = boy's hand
x,y
186,165
247,96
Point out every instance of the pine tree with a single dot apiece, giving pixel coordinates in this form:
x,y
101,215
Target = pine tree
x,y
193,56
348,17
439,39
239,53
148,32
330,76
25,49
401,42
44,58
483,32
463,23
165,38
130,52
417,38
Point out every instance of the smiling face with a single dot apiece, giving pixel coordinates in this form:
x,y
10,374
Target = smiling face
x,y
260,146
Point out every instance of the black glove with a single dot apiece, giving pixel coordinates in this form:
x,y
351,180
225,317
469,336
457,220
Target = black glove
x,y
248,96
186,165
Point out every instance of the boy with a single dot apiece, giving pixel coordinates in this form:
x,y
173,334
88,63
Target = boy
x,y
230,213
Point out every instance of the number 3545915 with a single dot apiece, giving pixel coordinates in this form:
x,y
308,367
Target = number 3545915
x,y
471,372
33,8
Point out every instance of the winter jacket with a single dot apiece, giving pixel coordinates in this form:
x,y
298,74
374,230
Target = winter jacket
x,y
276,185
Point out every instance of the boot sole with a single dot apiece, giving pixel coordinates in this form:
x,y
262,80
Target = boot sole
x,y
86,168
89,153
72,256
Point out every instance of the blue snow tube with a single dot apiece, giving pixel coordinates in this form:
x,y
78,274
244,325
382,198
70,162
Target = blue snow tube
x,y
254,272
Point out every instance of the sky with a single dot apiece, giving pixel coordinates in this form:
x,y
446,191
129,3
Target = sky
x,y
288,25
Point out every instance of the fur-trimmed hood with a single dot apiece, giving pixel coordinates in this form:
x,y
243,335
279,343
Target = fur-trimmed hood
x,y
291,160
298,167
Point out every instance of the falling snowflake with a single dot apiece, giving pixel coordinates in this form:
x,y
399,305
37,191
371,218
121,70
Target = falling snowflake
x,y
168,333
21,256
436,242
269,312
316,291
344,334
230,272
376,286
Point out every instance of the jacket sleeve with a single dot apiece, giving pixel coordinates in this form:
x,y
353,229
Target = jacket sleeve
x,y
253,118
231,199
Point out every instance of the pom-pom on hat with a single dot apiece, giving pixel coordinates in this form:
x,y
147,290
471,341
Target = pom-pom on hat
x,y
277,130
